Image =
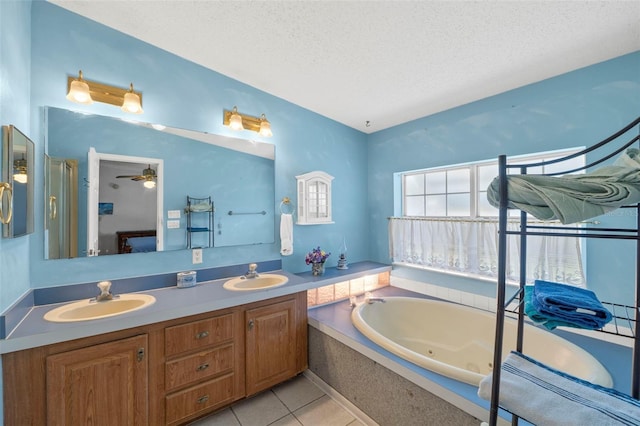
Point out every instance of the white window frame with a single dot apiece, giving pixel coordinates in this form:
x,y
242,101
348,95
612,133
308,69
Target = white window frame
x,y
475,190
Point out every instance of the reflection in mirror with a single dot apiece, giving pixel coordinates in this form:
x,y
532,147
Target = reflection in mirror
x,y
17,166
61,207
126,192
238,175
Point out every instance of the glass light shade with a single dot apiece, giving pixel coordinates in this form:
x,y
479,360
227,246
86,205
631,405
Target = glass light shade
x,y
235,121
79,92
132,103
343,246
20,170
149,184
20,177
265,127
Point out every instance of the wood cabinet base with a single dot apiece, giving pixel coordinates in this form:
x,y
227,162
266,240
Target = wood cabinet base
x,y
168,373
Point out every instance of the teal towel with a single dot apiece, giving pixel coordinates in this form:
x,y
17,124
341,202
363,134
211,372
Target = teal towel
x,y
573,198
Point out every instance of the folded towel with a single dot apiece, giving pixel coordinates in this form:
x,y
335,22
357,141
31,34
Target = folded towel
x,y
549,322
573,198
201,207
574,305
544,396
286,234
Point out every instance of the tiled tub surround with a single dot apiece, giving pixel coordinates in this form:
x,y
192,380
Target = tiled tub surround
x,y
26,328
384,385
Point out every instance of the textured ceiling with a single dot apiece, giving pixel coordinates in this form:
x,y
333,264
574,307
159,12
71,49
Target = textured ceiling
x,y
382,62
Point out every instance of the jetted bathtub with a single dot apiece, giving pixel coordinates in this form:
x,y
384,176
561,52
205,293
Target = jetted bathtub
x,y
457,341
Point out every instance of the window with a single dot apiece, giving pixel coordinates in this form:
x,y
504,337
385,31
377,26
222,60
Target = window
x,y
461,190
447,224
438,193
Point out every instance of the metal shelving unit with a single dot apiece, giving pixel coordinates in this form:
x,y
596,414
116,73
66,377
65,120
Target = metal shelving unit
x,y
625,321
199,212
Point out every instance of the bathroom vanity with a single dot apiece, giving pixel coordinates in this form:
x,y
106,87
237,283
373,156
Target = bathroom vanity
x,y
191,352
167,373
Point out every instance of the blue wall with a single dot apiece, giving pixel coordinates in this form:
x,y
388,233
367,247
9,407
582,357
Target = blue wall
x,y
181,94
15,71
41,44
15,89
575,109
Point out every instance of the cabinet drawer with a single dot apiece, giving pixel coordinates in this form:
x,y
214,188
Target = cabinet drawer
x,y
216,392
198,366
195,335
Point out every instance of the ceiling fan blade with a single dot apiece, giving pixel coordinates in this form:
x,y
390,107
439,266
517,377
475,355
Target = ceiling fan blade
x,y
127,176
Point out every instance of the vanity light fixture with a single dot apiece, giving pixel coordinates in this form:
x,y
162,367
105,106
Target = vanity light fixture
x,y
237,121
20,170
86,92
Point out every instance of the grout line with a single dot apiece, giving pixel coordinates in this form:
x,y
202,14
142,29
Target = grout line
x,y
357,413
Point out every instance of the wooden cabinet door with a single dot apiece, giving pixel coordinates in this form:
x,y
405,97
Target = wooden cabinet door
x,y
271,345
104,384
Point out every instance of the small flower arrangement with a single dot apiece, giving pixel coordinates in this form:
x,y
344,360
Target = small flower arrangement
x,y
317,255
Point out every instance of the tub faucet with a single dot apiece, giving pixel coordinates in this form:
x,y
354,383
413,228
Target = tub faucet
x,y
252,273
105,292
370,300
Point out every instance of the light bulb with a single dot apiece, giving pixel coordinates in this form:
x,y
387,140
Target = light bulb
x,y
20,177
235,120
131,102
79,91
265,127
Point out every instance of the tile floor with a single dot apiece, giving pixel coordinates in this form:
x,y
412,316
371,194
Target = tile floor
x,y
296,402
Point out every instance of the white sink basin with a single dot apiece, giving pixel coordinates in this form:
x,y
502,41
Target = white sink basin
x,y
261,282
88,310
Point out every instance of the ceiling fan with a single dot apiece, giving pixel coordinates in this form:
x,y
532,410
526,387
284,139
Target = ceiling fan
x,y
148,176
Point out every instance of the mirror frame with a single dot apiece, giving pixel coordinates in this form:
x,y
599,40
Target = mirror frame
x,y
24,208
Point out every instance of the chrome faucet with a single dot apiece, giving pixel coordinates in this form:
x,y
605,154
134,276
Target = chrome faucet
x,y
105,292
252,273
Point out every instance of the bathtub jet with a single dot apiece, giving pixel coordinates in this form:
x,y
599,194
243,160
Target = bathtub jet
x,y
457,341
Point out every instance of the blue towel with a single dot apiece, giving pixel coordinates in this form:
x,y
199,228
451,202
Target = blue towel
x,y
549,322
545,396
573,305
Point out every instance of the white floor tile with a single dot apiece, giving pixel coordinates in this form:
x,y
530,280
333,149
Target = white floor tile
x,y
260,410
223,418
323,412
297,392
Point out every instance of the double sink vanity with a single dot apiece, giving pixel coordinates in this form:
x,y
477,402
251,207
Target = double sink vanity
x,y
164,356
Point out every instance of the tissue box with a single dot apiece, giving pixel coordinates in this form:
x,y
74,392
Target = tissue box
x,y
186,279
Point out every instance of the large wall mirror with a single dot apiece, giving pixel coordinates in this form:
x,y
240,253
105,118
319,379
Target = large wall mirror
x,y
17,174
118,187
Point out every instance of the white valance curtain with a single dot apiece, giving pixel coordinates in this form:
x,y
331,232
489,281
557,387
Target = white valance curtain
x,y
471,246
